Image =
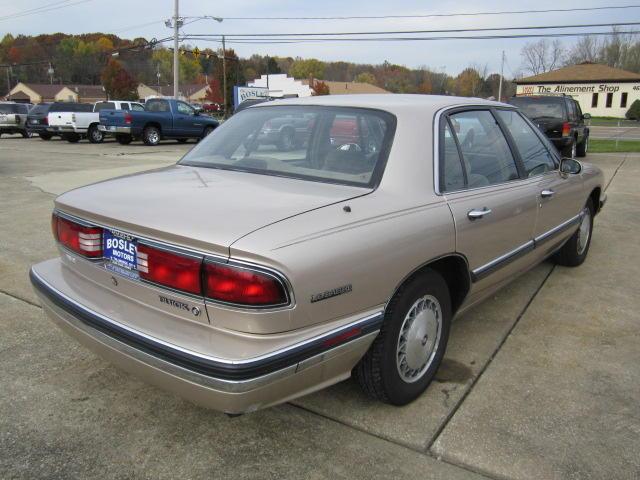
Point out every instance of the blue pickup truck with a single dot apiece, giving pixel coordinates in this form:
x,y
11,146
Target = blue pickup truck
x,y
162,118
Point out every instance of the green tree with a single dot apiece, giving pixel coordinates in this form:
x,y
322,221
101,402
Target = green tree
x,y
365,77
634,111
189,66
307,68
118,83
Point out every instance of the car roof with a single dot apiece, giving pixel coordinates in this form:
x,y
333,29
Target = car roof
x,y
394,103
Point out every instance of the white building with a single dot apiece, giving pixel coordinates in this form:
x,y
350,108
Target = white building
x,y
601,90
280,85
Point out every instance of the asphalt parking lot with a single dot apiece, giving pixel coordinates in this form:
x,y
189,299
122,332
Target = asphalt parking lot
x,y
542,381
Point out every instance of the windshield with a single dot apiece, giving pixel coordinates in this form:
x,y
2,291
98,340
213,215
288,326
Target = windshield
x,y
539,107
327,144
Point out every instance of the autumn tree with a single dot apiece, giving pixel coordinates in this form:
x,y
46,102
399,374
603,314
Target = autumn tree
x,y
214,92
307,68
118,83
365,77
320,88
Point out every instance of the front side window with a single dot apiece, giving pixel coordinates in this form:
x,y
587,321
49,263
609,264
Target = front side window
x,y
327,144
534,154
185,109
485,152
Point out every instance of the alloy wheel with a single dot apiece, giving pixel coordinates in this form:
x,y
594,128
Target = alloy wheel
x,y
584,231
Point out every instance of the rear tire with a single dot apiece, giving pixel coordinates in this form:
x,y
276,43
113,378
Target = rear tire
x,y
45,136
575,250
71,137
151,136
95,135
24,134
123,138
581,150
570,151
407,352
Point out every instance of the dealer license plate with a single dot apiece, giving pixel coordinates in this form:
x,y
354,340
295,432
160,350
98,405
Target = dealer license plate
x,y
120,253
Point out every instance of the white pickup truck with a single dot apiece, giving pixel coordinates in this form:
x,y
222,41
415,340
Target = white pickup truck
x,y
76,123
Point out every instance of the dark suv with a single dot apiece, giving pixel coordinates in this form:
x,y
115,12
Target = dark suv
x,y
560,118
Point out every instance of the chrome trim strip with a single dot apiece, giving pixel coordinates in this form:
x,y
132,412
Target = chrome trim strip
x,y
558,229
502,260
359,322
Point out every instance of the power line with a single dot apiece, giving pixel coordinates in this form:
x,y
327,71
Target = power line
x,y
43,9
431,15
401,32
257,41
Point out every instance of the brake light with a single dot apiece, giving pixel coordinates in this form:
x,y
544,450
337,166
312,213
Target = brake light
x,y
128,119
86,241
566,129
45,121
241,286
170,269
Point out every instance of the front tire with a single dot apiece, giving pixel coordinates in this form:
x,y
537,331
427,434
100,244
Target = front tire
x,y
24,134
407,352
95,135
207,131
574,252
151,136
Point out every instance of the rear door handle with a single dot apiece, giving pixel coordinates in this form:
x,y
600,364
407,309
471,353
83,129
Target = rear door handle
x,y
478,213
547,193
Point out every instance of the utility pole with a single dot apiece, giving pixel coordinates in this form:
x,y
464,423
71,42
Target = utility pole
x,y
8,79
267,74
501,73
224,75
176,63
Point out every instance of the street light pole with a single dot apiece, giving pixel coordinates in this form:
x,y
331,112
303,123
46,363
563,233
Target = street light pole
x,y
176,64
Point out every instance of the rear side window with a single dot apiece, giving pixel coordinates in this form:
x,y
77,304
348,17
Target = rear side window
x,y
534,154
137,107
104,106
40,109
157,106
452,174
486,155
8,108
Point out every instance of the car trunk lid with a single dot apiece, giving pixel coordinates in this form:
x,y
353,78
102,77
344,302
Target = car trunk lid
x,y
200,208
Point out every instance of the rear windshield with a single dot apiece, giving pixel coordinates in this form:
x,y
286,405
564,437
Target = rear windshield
x,y
13,108
327,144
539,107
104,106
71,107
41,109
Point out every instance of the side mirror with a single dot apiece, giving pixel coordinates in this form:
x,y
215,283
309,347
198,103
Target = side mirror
x,y
197,111
586,116
569,165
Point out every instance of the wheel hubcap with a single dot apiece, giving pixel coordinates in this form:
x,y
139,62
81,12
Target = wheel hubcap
x,y
584,231
419,338
153,137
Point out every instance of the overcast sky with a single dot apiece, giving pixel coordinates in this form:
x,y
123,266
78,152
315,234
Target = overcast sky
x,y
126,18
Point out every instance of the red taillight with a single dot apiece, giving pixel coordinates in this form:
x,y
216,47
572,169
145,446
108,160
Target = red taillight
x,y
243,287
128,118
45,121
86,241
170,269
566,129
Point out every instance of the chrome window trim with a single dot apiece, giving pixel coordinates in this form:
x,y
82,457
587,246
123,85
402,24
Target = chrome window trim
x,y
265,356
436,146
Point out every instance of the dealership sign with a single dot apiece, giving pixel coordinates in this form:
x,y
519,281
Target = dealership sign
x,y
240,94
569,89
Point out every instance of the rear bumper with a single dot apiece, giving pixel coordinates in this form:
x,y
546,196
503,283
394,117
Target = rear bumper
x,y
232,386
561,142
114,129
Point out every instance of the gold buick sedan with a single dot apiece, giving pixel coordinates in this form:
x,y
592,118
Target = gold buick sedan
x,y
308,240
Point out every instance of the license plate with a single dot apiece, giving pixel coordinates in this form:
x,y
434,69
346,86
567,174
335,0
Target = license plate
x,y
34,122
120,253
